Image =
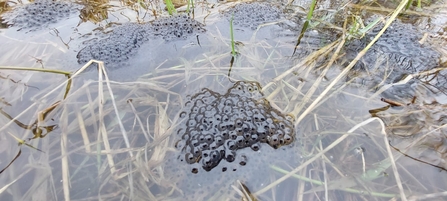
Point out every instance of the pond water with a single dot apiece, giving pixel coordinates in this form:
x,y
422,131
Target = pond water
x,y
172,114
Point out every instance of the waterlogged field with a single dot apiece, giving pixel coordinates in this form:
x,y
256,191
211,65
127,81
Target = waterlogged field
x,y
199,100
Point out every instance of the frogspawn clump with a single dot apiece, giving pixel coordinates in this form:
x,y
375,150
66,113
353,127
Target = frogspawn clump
x,y
121,44
124,40
175,27
40,13
253,14
217,126
396,54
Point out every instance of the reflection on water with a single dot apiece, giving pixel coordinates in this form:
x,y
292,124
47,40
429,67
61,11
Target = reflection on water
x,y
117,140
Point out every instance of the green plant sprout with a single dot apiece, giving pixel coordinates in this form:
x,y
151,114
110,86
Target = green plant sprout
x,y
190,5
233,51
306,24
170,7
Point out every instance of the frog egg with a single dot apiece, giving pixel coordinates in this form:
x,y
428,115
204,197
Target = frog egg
x,y
243,160
190,158
219,140
225,118
180,144
222,127
255,146
279,133
194,142
231,145
239,131
239,123
230,156
209,138
240,141
213,146
204,146
227,109
201,127
197,151
274,141
233,135
247,135
211,159
288,131
230,127
225,135
191,123
182,115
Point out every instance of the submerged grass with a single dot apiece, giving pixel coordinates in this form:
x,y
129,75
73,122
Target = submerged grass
x,y
36,69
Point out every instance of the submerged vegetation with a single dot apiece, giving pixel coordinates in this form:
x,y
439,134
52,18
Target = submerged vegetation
x,y
368,118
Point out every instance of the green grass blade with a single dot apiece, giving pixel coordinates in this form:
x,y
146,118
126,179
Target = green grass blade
x,y
170,7
233,51
408,4
187,6
306,24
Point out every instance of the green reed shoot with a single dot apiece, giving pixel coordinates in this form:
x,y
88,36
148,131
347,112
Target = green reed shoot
x,y
408,4
311,11
233,51
187,6
190,5
170,7
306,24
419,4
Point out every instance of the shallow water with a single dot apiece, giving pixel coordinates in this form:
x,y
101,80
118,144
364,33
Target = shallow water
x,y
139,160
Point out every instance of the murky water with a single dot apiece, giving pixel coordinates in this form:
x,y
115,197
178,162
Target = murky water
x,y
116,140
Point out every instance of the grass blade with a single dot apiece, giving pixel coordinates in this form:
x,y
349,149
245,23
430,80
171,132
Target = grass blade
x,y
306,24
